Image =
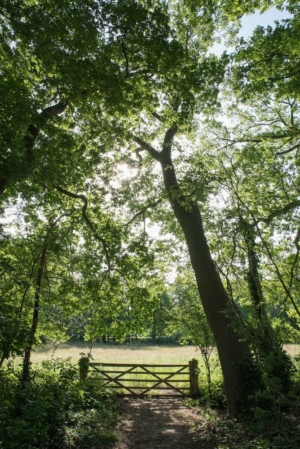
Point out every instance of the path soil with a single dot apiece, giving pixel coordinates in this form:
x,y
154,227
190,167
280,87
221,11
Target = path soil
x,y
159,423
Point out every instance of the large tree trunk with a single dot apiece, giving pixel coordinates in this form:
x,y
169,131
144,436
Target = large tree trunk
x,y
35,318
233,351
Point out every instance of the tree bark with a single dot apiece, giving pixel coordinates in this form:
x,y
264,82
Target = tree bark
x,y
233,351
35,318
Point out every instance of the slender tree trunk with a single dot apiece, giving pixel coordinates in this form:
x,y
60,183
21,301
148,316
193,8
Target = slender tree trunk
x,y
35,318
233,350
3,358
2,185
154,326
267,337
279,365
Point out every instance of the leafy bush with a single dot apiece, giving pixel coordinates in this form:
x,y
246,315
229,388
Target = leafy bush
x,y
54,411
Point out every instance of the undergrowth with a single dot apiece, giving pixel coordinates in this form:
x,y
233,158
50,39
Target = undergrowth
x,y
274,421
53,411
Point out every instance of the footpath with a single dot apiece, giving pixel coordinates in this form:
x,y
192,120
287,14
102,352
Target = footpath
x,y
160,423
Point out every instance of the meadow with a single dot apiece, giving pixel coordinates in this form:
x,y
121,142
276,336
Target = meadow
x,y
108,353
135,354
138,354
167,354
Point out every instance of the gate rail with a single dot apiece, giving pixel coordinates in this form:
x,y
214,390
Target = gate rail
x,y
130,376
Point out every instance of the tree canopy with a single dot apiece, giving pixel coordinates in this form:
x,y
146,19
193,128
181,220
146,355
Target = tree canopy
x,y
115,117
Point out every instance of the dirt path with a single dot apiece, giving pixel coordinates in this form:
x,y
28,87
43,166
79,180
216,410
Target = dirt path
x,y
164,423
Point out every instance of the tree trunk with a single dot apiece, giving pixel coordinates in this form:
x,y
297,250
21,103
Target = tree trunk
x,y
154,326
2,185
214,300
279,365
233,351
35,317
2,360
267,338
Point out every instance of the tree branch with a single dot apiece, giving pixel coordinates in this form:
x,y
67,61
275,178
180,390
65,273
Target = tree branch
x,y
251,66
281,211
266,136
294,147
34,130
125,55
147,147
142,211
157,116
137,152
87,220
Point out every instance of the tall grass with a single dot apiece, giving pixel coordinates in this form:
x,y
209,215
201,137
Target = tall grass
x,y
137,354
119,354
170,354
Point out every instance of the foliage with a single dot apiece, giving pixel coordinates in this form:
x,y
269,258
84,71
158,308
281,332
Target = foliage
x,y
273,423
227,433
82,84
78,288
161,317
267,62
189,321
70,413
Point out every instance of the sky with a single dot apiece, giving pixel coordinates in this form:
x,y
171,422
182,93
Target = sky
x,y
250,22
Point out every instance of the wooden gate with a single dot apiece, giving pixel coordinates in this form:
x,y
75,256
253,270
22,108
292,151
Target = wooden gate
x,y
142,379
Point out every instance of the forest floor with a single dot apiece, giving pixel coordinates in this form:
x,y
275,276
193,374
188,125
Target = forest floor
x,y
161,423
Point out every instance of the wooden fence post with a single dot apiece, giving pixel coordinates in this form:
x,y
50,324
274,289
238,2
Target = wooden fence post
x,y
83,367
194,391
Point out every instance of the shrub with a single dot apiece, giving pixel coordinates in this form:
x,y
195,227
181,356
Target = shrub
x,y
54,411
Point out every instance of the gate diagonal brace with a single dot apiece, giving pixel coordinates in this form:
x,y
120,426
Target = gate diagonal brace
x,y
95,368
113,379
163,381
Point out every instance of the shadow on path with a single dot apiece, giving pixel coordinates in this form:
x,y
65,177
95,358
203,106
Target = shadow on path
x,y
158,423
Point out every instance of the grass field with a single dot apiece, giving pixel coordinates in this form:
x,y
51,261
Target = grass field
x,y
101,353
167,354
137,354
122,354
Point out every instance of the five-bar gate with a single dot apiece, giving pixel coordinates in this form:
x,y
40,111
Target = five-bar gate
x,y
143,379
